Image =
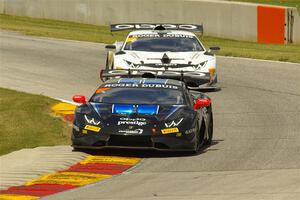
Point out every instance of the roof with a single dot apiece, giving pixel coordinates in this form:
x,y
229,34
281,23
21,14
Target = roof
x,y
145,80
138,32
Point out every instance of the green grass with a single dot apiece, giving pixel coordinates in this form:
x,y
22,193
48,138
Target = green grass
x,y
92,33
26,122
290,3
287,53
59,29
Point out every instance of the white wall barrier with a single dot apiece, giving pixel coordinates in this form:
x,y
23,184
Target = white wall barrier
x,y
220,18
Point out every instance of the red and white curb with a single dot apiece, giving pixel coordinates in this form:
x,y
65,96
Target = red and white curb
x,y
89,170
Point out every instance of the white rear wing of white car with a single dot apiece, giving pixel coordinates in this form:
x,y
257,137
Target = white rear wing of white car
x,y
149,26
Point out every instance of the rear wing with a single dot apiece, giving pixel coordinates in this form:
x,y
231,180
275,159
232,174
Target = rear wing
x,y
163,74
149,26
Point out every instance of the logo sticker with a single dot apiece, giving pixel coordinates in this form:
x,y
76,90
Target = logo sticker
x,y
101,90
190,131
131,132
132,121
173,123
169,130
92,128
91,121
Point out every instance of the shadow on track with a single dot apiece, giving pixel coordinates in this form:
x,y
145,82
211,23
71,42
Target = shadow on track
x,y
210,90
149,153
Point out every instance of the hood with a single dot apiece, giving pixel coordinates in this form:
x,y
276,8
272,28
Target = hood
x,y
187,61
155,57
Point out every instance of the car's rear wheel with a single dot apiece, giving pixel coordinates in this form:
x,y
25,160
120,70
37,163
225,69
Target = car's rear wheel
x,y
210,131
200,138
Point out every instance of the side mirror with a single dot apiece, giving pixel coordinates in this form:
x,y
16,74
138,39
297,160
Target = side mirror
x,y
110,47
214,49
200,103
79,99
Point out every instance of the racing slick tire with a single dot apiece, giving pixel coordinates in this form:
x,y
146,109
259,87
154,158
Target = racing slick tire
x,y
109,63
109,60
208,141
200,139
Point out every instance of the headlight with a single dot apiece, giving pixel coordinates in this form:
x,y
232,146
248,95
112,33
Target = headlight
x,y
200,65
212,71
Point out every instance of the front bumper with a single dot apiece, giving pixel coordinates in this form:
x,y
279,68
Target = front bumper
x,y
161,143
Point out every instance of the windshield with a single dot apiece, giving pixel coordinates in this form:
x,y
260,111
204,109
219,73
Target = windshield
x,y
138,96
161,43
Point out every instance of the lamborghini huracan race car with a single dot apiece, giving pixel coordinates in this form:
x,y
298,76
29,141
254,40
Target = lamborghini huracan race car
x,y
143,113
170,47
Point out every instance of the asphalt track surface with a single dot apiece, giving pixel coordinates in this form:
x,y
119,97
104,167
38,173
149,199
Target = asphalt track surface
x,y
256,148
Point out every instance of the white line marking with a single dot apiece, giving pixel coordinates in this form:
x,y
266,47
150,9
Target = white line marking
x,y
67,101
255,59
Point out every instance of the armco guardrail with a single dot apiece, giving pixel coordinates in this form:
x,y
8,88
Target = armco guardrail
x,y
234,20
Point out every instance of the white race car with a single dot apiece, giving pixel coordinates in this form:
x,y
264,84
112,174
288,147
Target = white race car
x,y
172,48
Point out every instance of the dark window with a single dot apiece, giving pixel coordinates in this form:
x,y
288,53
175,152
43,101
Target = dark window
x,y
139,96
161,44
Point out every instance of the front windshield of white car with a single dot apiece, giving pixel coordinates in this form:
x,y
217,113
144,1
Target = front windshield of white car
x,y
162,43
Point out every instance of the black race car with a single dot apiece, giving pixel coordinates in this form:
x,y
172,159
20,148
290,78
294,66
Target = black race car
x,y
146,113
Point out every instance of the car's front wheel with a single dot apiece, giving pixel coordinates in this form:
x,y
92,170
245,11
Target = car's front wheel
x,y
109,60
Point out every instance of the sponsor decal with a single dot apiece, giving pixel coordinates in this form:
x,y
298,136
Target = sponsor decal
x,y
169,130
91,120
131,132
131,85
166,64
178,35
173,123
163,36
101,90
159,86
132,121
152,26
131,38
190,131
92,128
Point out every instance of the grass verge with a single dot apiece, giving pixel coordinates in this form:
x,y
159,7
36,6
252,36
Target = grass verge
x,y
92,33
26,122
